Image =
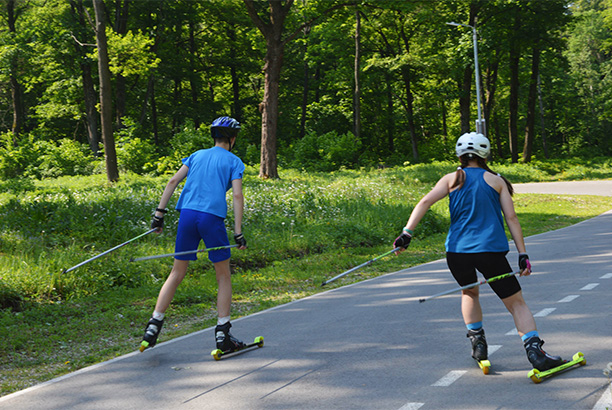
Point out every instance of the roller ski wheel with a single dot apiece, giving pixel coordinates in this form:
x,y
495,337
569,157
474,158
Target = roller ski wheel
x,y
151,334
218,353
485,366
537,376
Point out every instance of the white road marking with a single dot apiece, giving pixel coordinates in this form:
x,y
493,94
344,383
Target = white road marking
x,y
590,286
411,406
607,276
544,312
450,378
513,332
493,348
605,401
568,298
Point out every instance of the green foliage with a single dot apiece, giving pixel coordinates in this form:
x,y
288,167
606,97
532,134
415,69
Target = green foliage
x,y
134,154
183,144
37,158
326,152
129,54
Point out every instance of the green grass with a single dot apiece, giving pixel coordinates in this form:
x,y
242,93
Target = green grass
x,y
301,230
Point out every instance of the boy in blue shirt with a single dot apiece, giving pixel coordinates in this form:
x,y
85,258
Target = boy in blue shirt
x,y
210,174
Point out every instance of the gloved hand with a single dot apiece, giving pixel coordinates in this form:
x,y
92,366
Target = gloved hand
x,y
157,222
240,241
524,263
403,240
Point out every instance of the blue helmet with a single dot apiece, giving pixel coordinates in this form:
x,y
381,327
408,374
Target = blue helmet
x,y
224,127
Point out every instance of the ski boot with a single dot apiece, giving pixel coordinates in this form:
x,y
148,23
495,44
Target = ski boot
x,y
225,341
538,358
479,349
479,344
152,331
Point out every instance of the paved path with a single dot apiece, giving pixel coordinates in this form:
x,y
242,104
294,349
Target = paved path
x,y
601,188
371,345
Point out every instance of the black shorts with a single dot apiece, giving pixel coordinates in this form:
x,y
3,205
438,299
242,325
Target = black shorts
x,y
463,266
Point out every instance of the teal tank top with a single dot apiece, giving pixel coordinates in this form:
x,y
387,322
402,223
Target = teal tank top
x,y
476,218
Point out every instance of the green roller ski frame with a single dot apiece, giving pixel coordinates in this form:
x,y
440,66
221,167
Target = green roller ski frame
x,y
218,353
537,376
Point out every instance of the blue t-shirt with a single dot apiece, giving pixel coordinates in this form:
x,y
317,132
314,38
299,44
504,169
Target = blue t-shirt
x,y
476,218
210,176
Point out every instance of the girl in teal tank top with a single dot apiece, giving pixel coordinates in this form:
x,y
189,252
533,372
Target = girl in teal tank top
x,y
476,241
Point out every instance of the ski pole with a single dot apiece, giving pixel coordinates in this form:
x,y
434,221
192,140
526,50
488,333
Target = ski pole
x,y
108,251
360,266
472,285
146,258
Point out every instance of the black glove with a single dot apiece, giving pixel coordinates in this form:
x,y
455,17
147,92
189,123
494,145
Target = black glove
x,y
402,241
239,239
524,262
157,222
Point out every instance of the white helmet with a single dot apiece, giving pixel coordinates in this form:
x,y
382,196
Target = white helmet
x,y
473,143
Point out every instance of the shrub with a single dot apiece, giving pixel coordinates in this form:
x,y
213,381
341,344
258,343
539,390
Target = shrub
x,y
67,158
327,152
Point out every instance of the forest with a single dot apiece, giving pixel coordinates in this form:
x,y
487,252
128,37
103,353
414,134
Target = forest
x,y
113,86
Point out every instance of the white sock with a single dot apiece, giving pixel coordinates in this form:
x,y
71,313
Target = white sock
x,y
158,315
223,320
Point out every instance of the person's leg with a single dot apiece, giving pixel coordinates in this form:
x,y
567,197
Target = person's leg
x,y
523,319
166,294
470,306
224,293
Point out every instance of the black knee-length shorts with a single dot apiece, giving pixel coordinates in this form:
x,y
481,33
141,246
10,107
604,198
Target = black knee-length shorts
x,y
463,266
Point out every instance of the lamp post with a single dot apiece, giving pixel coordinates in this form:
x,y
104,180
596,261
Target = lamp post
x,y
480,123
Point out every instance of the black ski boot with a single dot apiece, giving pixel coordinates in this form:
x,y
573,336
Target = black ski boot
x,y
225,341
539,358
479,344
152,332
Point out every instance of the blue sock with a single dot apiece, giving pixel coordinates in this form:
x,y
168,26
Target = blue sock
x,y
474,326
530,334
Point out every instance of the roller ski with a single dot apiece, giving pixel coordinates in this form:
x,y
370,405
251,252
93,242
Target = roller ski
x,y
226,343
152,331
537,376
479,349
545,365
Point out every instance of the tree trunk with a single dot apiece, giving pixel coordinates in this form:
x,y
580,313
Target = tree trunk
x,y
390,114
465,100
272,31
490,87
357,91
531,104
16,89
89,92
106,108
121,17
407,77
515,56
542,125
269,111
233,66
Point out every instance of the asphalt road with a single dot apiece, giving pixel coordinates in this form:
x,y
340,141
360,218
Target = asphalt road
x,y
372,345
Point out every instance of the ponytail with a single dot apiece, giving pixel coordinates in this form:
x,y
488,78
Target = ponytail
x,y
460,175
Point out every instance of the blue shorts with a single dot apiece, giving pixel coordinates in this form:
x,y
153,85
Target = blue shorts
x,y
194,226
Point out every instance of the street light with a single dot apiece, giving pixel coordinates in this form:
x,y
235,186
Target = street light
x,y
480,123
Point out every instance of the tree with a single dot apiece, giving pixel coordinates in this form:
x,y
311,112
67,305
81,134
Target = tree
x,y
89,93
110,155
272,28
